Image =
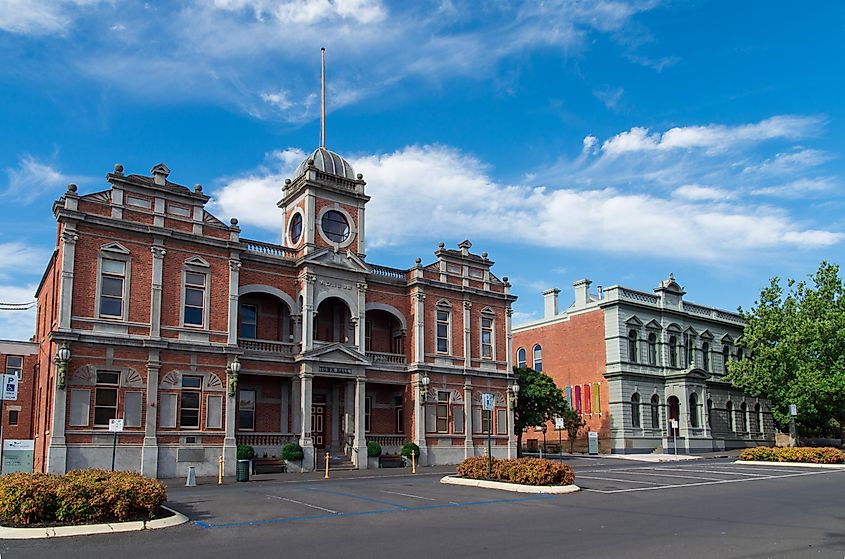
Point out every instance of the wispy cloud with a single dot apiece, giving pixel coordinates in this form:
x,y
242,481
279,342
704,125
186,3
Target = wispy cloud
x,y
18,258
32,178
17,325
41,17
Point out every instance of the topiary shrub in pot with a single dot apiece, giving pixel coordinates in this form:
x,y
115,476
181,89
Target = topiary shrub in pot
x,y
406,452
373,453
245,452
291,454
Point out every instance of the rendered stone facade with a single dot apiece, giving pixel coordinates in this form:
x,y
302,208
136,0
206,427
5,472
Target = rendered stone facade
x,y
651,358
156,299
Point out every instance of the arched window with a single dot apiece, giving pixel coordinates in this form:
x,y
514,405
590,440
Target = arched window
x,y
729,409
743,409
655,412
710,413
520,357
673,351
689,351
705,356
758,411
652,349
726,355
537,358
693,410
632,346
635,409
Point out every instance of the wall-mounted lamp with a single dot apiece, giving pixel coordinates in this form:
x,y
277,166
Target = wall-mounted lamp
x,y
62,360
513,393
232,375
424,381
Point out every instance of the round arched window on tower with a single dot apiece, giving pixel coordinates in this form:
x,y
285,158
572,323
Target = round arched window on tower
x,y
295,228
335,226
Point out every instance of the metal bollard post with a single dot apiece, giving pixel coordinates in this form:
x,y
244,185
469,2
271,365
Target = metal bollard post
x,y
328,457
220,470
192,477
413,463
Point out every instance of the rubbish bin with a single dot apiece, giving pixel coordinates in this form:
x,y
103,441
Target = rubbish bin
x,y
242,470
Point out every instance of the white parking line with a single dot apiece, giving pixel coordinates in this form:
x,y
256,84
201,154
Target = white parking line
x,y
768,469
301,503
619,480
719,471
675,486
408,495
632,473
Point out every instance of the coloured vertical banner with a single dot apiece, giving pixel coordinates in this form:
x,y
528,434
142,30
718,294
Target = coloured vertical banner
x,y
18,455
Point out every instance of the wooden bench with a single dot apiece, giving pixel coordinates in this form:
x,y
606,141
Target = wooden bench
x,y
267,466
390,462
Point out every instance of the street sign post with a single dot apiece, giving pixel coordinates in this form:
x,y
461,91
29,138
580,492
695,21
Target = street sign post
x,y
675,434
8,391
793,428
559,426
487,401
115,426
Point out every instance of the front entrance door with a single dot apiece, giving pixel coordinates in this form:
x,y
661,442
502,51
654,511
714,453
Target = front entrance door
x,y
674,415
318,424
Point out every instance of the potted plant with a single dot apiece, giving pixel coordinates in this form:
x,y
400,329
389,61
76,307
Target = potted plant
x,y
373,453
291,454
245,453
406,453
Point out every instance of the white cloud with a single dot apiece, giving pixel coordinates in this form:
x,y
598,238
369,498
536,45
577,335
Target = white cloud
x,y
799,188
17,325
307,11
610,96
31,179
713,137
427,188
20,258
39,17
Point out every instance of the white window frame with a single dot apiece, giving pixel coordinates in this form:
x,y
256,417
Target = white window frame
x,y
444,402
443,308
12,370
196,265
487,314
241,408
117,253
534,357
107,386
191,390
524,361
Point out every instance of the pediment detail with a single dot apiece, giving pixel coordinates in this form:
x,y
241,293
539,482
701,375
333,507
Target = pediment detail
x,y
114,247
345,260
337,353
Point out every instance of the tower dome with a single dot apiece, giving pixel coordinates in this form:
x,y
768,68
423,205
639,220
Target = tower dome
x,y
328,162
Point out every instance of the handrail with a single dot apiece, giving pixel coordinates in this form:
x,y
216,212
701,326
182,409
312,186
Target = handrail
x,y
268,248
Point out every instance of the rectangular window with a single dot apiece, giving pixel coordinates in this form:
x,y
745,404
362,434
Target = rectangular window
x,y
501,422
178,210
167,410
112,282
249,321
457,419
80,408
399,413
214,412
442,412
189,412
246,410
13,417
14,365
194,298
132,404
368,410
487,338
105,397
138,202
442,331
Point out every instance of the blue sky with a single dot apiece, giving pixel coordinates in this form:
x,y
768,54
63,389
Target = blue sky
x,y
614,140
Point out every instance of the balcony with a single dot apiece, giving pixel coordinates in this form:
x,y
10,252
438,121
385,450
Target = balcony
x,y
269,346
379,358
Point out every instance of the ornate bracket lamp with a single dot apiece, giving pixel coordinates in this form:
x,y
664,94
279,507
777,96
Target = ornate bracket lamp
x,y
232,375
62,359
424,381
513,392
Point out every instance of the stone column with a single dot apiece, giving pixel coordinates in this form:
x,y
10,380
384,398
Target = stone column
x,y
296,405
419,326
419,419
511,429
230,447
359,451
155,290
308,286
149,452
297,328
234,272
57,452
361,330
348,411
509,339
69,238
469,449
305,438
467,335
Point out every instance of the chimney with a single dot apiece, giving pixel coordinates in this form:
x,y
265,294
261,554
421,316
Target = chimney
x,y
550,302
160,173
582,292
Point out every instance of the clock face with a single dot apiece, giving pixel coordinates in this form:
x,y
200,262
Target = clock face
x,y
335,226
295,228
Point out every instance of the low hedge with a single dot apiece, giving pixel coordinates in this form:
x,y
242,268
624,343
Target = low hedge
x,y
525,471
812,455
78,497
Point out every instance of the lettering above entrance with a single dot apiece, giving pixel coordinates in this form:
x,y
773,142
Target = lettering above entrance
x,y
339,370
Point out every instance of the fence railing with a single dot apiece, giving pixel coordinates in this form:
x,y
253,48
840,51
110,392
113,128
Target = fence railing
x,y
268,248
269,346
384,271
264,439
389,358
387,440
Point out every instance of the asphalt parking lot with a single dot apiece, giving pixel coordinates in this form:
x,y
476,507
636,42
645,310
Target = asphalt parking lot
x,y
705,508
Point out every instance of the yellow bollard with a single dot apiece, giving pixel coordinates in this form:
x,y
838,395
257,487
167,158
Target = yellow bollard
x,y
220,470
328,457
413,463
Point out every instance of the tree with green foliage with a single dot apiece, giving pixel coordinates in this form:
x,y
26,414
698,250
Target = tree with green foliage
x,y
796,341
539,401
572,422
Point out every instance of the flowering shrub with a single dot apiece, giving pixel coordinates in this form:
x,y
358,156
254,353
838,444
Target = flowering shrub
x,y
821,455
78,497
525,471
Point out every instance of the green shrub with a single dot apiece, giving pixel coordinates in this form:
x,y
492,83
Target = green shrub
x,y
292,452
525,471
373,449
820,455
245,452
80,496
406,451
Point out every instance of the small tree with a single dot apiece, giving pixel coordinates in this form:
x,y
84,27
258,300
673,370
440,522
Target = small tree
x,y
572,422
539,401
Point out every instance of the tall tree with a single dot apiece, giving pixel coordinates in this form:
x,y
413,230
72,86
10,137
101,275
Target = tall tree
x,y
796,340
539,401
